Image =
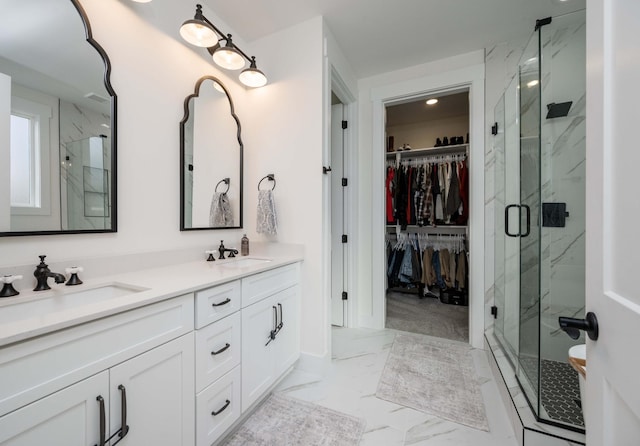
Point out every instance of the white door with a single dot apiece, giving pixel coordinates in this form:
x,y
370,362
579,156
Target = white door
x,y
258,321
156,391
613,212
338,249
70,417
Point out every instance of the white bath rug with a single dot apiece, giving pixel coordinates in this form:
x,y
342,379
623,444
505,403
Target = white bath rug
x,y
436,377
283,421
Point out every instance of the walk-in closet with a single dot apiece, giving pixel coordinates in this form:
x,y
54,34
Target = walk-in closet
x,y
427,214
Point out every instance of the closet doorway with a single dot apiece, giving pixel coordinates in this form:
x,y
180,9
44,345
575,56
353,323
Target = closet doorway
x,y
427,215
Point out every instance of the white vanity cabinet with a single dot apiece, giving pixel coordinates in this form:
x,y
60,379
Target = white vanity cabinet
x,y
69,417
270,329
69,387
234,364
217,362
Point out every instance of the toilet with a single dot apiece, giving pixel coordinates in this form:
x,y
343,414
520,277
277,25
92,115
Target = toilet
x,y
578,360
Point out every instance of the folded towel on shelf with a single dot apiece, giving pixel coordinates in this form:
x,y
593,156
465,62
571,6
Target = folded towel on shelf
x,y
266,219
220,214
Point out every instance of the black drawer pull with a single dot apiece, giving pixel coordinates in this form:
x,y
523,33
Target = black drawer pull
x,y
214,413
226,346
224,302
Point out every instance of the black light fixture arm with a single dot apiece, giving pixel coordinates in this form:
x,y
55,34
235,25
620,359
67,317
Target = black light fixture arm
x,y
226,37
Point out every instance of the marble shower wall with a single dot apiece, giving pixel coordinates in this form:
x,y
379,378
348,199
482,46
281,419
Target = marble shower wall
x,y
563,180
86,173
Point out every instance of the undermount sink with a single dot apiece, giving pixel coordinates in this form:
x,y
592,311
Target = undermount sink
x,y
242,263
56,301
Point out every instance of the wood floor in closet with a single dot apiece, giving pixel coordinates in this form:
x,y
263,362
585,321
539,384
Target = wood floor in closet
x,y
427,316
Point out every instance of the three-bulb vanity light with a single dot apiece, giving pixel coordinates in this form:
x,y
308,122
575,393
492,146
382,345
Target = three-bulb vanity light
x,y
201,32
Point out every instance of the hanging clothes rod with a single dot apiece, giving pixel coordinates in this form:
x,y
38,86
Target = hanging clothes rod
x,y
428,229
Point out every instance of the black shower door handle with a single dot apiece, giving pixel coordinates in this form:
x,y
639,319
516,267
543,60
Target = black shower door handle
x,y
506,220
528,220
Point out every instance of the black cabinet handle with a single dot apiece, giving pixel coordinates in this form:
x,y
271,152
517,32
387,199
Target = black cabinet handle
x,y
224,302
124,430
573,326
214,413
226,346
274,332
506,220
280,325
103,421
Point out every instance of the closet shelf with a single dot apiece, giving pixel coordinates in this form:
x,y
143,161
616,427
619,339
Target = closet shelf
x,y
443,150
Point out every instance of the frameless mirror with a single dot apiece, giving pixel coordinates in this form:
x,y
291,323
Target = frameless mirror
x,y
57,122
211,159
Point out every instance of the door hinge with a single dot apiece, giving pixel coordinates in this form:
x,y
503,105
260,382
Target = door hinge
x,y
494,312
494,129
344,295
344,182
344,125
344,238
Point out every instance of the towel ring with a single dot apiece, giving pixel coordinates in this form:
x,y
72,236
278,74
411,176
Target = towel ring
x,y
225,181
270,177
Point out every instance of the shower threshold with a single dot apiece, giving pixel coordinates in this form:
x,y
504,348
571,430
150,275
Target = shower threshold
x,y
524,422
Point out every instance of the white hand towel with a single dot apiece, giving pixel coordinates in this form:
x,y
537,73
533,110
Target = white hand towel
x,y
266,220
220,214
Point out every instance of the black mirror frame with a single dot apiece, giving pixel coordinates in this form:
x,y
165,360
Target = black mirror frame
x,y
114,139
195,94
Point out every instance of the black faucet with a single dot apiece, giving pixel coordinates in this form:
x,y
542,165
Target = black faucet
x,y
42,273
222,250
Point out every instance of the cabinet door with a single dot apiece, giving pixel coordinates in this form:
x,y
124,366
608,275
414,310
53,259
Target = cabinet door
x,y
258,320
69,417
287,343
158,388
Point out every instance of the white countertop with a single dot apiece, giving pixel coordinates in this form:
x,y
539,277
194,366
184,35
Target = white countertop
x,y
157,284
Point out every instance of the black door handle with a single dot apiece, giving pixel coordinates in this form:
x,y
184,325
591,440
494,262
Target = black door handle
x,y
124,430
103,421
274,332
573,326
281,323
326,170
506,220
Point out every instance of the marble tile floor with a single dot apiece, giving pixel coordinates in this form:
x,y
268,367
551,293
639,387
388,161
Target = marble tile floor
x,y
350,384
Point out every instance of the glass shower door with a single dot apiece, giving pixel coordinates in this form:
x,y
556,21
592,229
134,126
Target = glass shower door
x,y
529,112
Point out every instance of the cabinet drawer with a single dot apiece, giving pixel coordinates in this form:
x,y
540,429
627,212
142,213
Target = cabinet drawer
x,y
217,350
32,369
259,286
223,398
217,302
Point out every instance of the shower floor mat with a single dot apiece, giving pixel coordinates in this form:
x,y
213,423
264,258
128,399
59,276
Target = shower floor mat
x,y
560,393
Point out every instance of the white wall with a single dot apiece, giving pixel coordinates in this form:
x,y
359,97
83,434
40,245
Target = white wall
x,y
464,71
5,140
286,139
152,73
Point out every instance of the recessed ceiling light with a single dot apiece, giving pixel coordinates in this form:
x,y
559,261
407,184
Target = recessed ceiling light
x,y
532,83
432,101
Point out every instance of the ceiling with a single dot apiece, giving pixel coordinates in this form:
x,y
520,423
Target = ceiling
x,y
378,36
418,111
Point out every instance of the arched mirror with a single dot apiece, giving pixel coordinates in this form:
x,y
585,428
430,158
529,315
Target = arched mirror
x,y
211,159
57,122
